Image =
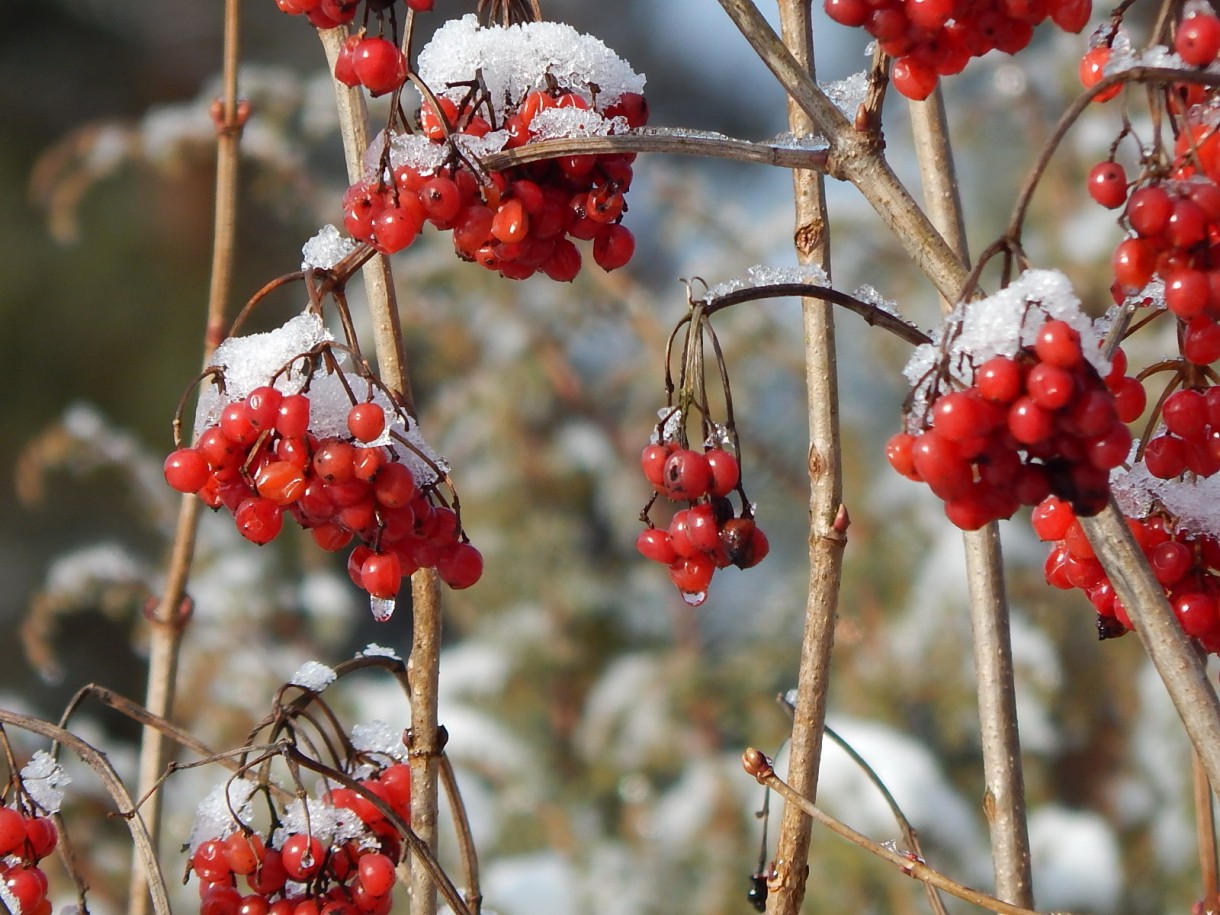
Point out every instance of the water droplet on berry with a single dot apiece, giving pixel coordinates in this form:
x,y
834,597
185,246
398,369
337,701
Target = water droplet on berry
x,y
694,598
382,607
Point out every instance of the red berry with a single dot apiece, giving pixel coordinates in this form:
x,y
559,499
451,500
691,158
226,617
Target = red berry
x,y
460,566
394,485
292,419
913,78
656,544
1092,71
186,470
441,199
848,12
379,65
1149,210
686,475
613,247
333,461
1107,184
302,856
511,223
381,574
1059,344
726,472
12,830
259,520
1198,39
366,421
692,574
376,874
999,379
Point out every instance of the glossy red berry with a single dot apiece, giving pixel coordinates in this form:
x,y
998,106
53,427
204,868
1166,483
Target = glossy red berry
x,y
1107,184
186,470
1198,39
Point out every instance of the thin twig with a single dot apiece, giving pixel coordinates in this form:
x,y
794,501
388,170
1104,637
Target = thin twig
x,y
663,140
466,846
872,314
1004,790
168,618
758,766
1205,830
827,514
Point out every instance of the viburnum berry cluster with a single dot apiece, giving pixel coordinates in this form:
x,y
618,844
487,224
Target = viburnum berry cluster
x,y
1010,405
1165,269
500,88
707,534
929,39
26,838
1185,564
285,432
340,857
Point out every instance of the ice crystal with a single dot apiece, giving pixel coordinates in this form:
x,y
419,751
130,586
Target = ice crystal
x,y
848,94
379,738
373,650
326,249
870,296
1195,503
314,676
760,275
325,822
45,780
214,817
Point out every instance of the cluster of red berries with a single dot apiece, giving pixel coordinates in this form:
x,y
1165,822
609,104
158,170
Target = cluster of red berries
x,y
261,462
1196,41
25,839
303,876
934,38
706,535
371,61
1189,440
1038,423
1185,565
328,14
515,222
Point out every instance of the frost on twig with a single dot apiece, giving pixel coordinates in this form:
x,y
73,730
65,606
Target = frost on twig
x,y
313,676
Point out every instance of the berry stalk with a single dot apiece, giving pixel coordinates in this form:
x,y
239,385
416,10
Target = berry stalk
x,y
425,584
827,514
998,728
166,618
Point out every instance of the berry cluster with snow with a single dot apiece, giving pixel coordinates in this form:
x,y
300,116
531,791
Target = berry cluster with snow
x,y
500,88
283,430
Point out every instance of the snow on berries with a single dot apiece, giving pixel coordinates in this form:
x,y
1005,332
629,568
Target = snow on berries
x,y
929,39
1010,404
283,431
337,852
498,88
